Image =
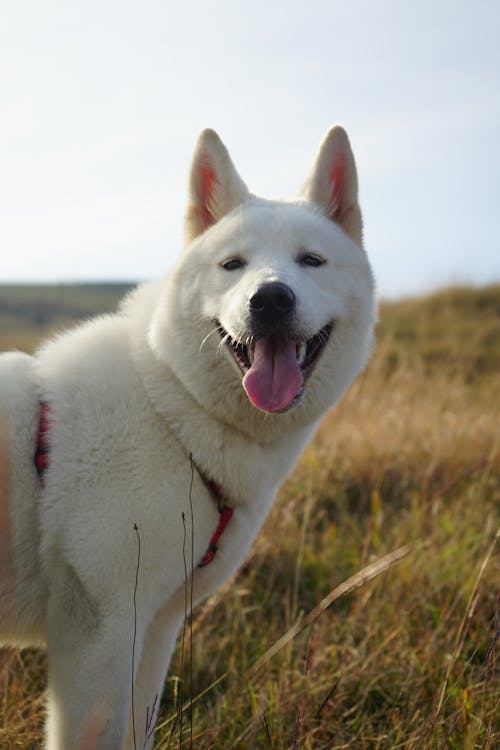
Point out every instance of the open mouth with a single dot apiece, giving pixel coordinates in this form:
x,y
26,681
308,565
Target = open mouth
x,y
275,369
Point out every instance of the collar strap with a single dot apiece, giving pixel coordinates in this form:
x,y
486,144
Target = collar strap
x,y
226,514
41,459
42,444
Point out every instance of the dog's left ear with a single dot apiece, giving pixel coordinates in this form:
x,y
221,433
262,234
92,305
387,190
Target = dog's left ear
x,y
215,187
333,183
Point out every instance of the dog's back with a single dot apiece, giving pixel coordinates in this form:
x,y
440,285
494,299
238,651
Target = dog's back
x,y
22,590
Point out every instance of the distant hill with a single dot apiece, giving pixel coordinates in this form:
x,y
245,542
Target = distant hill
x,y
30,312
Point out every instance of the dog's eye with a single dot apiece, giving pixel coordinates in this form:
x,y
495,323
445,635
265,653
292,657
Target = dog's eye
x,y
232,264
308,259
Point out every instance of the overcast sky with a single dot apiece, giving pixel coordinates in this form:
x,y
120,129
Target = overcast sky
x,y
101,104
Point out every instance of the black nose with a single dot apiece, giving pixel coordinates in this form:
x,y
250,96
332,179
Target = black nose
x,y
272,301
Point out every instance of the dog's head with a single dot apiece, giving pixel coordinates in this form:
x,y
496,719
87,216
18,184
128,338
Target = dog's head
x,y
270,299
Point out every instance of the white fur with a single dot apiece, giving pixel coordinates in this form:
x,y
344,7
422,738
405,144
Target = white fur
x,y
132,395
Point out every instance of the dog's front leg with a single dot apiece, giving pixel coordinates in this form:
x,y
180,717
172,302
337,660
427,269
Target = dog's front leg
x,y
90,677
156,653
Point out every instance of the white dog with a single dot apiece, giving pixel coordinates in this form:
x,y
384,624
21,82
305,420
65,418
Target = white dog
x,y
175,419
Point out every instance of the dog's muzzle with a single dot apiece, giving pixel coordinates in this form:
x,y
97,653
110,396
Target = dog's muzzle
x,y
274,361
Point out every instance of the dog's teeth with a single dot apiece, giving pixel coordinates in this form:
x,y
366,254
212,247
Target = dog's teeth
x,y
250,352
301,349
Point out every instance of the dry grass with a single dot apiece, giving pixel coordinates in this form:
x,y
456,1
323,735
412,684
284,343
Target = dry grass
x,y
407,659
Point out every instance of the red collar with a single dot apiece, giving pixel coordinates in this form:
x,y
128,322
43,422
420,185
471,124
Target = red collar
x,y
225,516
41,459
42,443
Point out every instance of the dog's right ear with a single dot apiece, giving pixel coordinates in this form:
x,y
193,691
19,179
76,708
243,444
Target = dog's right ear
x,y
215,187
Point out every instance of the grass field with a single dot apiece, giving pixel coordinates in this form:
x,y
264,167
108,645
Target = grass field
x,y
407,659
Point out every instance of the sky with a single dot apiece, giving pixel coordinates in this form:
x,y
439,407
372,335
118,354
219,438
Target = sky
x,y
101,104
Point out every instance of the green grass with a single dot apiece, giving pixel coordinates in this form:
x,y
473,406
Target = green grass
x,y
406,660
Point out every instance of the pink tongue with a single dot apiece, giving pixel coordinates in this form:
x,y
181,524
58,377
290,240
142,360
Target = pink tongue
x,y
275,377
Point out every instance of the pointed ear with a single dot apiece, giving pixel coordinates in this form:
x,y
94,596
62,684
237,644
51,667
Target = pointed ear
x,y
333,183
215,187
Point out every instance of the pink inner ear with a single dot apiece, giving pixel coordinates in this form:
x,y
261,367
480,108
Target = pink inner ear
x,y
208,179
337,179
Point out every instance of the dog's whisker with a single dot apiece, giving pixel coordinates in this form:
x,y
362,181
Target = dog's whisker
x,y
205,339
225,340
